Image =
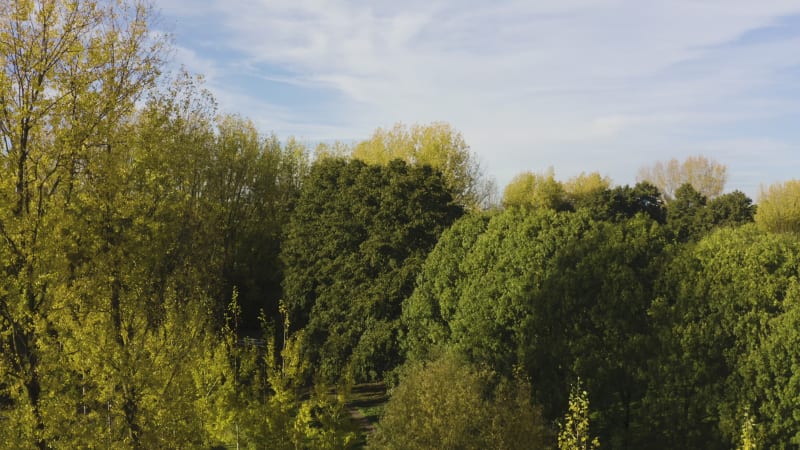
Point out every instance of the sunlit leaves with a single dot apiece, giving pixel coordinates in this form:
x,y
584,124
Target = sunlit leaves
x,y
779,207
438,145
447,403
530,190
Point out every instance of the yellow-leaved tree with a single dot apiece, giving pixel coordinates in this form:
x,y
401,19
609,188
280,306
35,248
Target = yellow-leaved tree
x,y
779,207
573,430
439,145
585,185
535,190
71,72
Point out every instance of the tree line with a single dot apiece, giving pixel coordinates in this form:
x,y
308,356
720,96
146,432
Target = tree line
x,y
145,235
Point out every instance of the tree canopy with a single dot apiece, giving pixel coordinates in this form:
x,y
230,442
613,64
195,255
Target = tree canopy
x,y
438,145
355,243
779,207
531,190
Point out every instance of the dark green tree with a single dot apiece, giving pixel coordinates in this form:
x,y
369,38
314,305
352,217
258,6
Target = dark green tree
x,y
623,202
731,209
354,247
687,215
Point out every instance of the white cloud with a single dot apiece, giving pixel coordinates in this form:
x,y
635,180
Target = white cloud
x,y
571,82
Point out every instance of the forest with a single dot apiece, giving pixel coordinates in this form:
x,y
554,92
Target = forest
x,y
171,277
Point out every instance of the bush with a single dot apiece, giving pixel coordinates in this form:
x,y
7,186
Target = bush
x,y
449,404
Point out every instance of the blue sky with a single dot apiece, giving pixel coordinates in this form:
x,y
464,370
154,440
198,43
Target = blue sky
x,y
577,85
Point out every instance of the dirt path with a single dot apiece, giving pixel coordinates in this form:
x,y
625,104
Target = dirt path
x,y
363,423
366,398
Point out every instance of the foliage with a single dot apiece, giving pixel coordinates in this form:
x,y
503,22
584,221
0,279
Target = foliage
x,y
690,216
686,214
731,209
725,310
573,430
145,238
706,175
623,202
70,74
448,404
427,313
355,244
779,207
747,440
530,190
580,188
555,293
437,145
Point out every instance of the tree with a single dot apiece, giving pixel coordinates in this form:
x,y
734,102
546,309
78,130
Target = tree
x,y
779,207
726,320
448,404
731,209
438,145
573,431
623,202
428,312
768,374
686,214
707,176
502,272
253,184
558,294
71,73
355,244
690,216
579,189
530,190
747,440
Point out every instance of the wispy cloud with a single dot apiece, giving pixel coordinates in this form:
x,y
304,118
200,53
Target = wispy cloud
x,y
577,84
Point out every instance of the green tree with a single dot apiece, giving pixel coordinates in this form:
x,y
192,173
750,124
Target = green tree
x,y
731,209
253,184
428,312
508,261
686,214
723,314
768,375
690,216
623,202
354,246
558,294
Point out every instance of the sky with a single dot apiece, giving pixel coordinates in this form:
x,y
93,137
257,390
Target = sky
x,y
576,85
